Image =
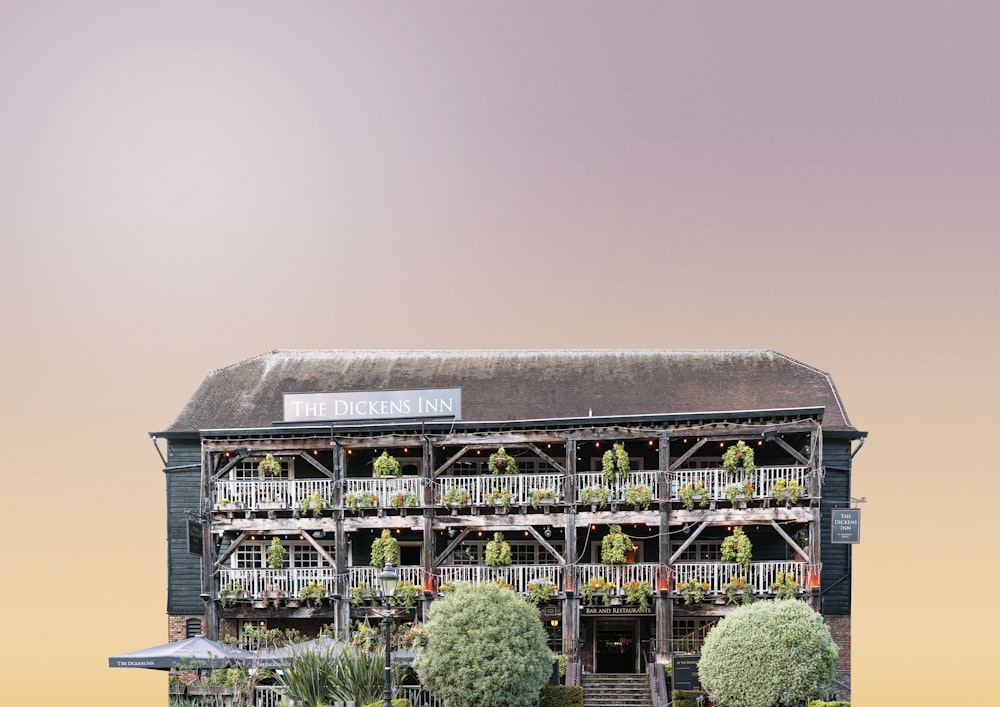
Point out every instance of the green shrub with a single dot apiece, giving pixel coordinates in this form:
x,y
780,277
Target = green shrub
x,y
837,703
687,698
768,653
561,696
399,702
486,647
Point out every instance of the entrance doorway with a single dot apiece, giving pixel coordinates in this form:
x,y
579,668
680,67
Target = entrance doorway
x,y
616,646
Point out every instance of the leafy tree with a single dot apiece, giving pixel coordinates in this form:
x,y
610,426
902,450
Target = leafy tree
x,y
768,653
485,648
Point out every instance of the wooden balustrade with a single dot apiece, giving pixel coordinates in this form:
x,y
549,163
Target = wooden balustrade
x,y
289,493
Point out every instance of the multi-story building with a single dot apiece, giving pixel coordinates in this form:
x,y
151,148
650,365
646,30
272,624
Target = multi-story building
x,y
326,417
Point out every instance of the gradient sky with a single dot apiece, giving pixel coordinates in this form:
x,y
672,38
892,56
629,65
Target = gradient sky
x,y
187,184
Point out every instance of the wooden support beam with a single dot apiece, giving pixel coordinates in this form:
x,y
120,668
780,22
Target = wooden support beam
x,y
451,461
225,469
232,548
791,450
322,553
687,543
548,460
545,543
315,462
684,457
788,539
451,546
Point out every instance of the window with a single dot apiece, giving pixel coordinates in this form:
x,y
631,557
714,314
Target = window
x,y
246,470
699,552
521,553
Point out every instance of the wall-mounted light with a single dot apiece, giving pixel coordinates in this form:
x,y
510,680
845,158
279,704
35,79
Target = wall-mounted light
x,y
554,623
547,532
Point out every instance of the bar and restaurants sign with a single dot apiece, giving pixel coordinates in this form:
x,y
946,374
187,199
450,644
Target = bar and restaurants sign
x,y
374,405
845,525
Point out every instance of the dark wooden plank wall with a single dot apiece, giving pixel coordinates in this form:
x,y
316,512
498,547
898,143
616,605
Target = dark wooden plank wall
x,y
836,578
183,568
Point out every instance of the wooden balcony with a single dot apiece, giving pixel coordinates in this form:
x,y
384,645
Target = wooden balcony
x,y
517,576
258,582
759,576
288,494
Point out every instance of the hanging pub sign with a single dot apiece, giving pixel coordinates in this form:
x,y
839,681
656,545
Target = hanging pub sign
x,y
195,546
374,405
845,525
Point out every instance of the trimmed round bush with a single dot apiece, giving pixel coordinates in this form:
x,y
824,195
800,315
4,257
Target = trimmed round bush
x,y
768,653
485,648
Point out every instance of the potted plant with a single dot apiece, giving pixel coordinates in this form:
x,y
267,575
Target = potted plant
x,y
498,552
785,586
638,592
691,492
405,596
499,497
615,546
229,594
595,496
385,550
447,588
313,593
737,548
269,466
738,591
455,497
639,496
597,587
540,591
738,458
615,463
361,593
502,463
402,500
358,501
314,503
693,590
786,492
542,497
275,554
385,466
228,505
740,494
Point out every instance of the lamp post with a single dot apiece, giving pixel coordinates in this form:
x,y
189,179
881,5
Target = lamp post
x,y
387,580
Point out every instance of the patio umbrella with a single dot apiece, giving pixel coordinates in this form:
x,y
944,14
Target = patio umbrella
x,y
207,653
276,657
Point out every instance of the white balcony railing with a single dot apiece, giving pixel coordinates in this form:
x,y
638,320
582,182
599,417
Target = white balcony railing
x,y
290,492
619,574
289,581
760,575
718,480
358,576
521,486
287,492
518,576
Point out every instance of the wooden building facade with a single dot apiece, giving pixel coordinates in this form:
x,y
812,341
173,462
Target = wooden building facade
x,y
672,414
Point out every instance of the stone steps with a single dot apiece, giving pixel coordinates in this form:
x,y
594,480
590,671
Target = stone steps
x,y
616,690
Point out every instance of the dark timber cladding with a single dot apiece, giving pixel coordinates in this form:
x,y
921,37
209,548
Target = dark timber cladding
x,y
675,412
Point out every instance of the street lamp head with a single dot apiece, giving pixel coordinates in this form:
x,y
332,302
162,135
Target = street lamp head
x,y
387,581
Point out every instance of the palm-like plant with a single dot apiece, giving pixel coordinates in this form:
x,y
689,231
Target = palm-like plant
x,y
308,677
358,675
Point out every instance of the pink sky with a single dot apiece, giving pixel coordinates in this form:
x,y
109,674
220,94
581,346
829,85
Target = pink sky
x,y
184,185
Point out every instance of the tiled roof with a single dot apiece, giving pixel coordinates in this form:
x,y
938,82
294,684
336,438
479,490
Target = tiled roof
x,y
520,384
